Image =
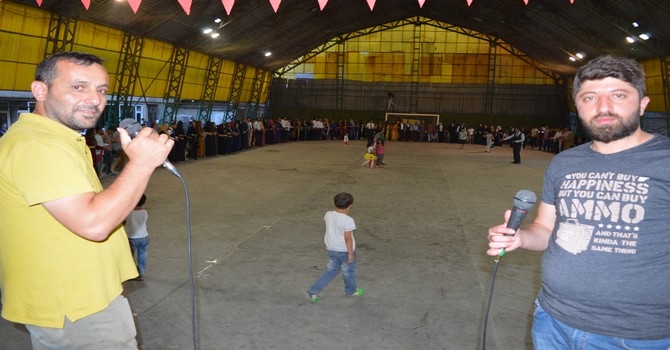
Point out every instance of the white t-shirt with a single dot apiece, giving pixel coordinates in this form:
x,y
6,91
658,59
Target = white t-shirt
x,y
136,224
336,225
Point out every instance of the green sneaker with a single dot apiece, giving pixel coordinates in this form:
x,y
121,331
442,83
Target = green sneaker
x,y
311,297
358,292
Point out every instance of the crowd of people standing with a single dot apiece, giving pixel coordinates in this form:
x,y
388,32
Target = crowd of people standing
x,y
199,139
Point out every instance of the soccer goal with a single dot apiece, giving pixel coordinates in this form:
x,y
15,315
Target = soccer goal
x,y
411,118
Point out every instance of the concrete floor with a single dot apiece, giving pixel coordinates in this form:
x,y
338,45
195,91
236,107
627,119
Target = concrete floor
x,y
257,244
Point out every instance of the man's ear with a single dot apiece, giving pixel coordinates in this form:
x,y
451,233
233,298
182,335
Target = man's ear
x,y
39,90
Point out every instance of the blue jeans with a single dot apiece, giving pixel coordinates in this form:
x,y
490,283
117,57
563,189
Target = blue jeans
x,y
549,333
141,245
337,261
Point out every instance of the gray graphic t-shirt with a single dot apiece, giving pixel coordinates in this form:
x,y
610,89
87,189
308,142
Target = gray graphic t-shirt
x,y
607,267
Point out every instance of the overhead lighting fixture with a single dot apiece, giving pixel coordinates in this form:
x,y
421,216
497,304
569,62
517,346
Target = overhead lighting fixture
x,y
580,55
215,35
630,39
635,24
644,36
207,30
218,20
572,59
268,54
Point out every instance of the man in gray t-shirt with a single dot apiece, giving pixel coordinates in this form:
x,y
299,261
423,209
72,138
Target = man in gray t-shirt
x,y
603,223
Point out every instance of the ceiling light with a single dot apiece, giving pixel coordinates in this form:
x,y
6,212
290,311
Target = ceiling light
x,y
268,54
644,36
635,24
630,39
573,59
207,30
580,55
215,35
218,20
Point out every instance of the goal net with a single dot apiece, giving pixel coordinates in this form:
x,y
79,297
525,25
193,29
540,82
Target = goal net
x,y
413,118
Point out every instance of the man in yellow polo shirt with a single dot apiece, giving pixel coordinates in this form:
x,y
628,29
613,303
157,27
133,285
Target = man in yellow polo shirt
x,y
63,250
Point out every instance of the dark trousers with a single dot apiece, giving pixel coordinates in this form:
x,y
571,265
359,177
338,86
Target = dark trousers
x,y
516,150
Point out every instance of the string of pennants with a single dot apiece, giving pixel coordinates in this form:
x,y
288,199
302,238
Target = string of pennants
x,y
228,4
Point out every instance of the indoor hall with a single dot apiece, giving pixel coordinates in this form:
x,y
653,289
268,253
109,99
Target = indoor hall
x,y
257,244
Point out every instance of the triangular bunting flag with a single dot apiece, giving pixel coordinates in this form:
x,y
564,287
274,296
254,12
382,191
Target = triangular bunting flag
x,y
525,2
371,3
186,5
322,4
275,4
228,5
572,1
469,2
39,2
135,4
87,3
421,3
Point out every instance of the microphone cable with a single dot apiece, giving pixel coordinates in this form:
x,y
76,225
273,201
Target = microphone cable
x,y
133,127
190,258
490,299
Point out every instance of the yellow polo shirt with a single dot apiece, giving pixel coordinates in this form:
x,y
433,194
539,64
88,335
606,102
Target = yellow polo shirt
x,y
47,272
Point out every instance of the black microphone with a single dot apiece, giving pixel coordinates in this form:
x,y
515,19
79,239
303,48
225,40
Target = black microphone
x,y
133,128
523,201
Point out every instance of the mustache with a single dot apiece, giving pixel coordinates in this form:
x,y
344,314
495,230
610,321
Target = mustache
x,y
607,114
87,108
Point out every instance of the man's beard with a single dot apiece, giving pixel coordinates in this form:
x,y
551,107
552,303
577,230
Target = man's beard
x,y
85,123
615,131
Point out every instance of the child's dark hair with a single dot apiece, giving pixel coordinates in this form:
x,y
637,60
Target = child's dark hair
x,y
142,200
343,200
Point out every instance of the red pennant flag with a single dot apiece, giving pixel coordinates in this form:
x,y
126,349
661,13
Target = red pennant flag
x,y
469,2
39,2
525,2
371,3
275,4
421,3
186,5
87,3
135,4
322,4
572,1
228,5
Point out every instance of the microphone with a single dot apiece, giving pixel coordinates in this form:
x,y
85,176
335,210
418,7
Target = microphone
x,y
523,201
133,127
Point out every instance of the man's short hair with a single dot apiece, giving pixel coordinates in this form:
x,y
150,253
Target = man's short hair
x,y
343,200
622,68
46,70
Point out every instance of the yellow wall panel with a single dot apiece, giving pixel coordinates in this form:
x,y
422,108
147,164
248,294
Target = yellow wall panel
x,y
157,50
25,20
21,48
95,35
191,91
195,75
223,87
151,69
198,60
16,76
